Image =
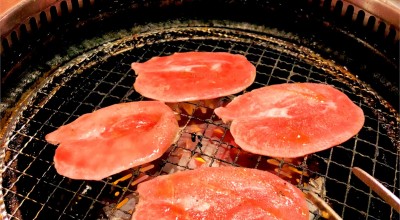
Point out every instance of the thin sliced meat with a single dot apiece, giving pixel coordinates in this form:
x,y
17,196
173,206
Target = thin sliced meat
x,y
193,76
113,139
292,120
220,193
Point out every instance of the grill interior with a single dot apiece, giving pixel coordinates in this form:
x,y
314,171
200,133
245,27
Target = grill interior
x,y
101,77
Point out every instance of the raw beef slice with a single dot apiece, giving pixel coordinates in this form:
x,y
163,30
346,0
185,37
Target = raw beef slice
x,y
193,76
113,139
220,193
292,120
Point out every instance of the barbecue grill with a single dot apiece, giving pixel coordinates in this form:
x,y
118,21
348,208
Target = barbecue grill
x,y
61,59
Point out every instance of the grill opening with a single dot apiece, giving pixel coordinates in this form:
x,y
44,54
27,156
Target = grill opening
x,y
101,77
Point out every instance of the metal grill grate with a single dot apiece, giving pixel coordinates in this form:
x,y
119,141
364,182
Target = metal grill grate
x,y
33,189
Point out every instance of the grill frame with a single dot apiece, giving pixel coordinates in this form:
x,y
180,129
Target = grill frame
x,y
381,55
84,64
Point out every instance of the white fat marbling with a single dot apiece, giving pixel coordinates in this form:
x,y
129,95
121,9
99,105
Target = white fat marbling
x,y
179,68
192,203
277,113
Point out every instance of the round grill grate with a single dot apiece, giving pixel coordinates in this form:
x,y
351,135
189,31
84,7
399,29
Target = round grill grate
x,y
33,190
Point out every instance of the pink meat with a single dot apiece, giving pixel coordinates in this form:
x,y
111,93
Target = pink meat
x,y
220,193
113,139
292,120
193,76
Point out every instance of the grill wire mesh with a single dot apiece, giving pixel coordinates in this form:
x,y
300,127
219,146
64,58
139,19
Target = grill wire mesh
x,y
33,189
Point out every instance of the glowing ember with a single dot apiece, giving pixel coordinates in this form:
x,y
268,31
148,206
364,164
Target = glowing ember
x,y
126,177
201,160
139,180
205,149
146,168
